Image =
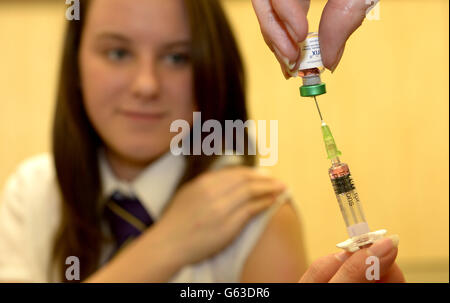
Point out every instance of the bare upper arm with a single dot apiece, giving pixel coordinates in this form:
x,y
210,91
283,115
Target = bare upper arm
x,y
279,254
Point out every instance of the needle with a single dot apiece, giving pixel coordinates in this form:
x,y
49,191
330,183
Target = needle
x,y
320,114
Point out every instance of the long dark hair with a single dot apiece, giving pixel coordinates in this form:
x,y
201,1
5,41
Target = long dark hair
x,y
219,89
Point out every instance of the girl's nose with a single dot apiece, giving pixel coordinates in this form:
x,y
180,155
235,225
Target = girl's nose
x,y
146,84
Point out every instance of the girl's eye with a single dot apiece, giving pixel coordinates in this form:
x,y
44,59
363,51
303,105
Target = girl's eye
x,y
178,58
117,54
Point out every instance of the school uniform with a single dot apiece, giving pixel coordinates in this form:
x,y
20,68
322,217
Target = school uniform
x,y
30,213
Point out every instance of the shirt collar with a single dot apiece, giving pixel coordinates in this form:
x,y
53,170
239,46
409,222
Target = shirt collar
x,y
153,187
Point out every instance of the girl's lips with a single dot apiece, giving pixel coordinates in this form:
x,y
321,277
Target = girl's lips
x,y
143,115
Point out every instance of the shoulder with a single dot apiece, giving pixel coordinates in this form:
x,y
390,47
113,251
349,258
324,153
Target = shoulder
x,y
281,239
275,234
33,179
29,215
39,167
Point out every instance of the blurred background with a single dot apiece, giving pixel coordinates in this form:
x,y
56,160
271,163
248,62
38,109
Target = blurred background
x,y
387,105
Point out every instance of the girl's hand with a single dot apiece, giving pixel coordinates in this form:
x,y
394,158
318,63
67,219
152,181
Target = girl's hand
x,y
210,211
345,267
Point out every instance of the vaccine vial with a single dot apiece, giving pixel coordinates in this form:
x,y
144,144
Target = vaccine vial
x,y
311,67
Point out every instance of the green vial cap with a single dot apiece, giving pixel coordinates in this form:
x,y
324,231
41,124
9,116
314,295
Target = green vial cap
x,y
313,90
330,145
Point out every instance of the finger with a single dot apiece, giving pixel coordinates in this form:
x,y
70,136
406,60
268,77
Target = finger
x,y
340,18
248,193
394,275
241,173
241,217
292,14
323,269
358,268
223,181
284,70
276,35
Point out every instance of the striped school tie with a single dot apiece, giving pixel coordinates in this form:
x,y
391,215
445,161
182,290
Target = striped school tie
x,y
127,219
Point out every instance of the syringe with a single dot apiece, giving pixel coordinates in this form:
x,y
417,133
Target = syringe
x,y
310,68
347,196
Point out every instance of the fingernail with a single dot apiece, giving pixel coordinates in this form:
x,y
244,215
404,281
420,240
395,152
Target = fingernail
x,y
285,60
289,65
342,256
383,246
333,68
395,239
293,73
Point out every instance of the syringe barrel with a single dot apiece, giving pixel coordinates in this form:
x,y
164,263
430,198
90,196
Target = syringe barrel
x,y
348,199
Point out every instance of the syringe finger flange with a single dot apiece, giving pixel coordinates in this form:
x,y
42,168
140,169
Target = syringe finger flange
x,y
355,243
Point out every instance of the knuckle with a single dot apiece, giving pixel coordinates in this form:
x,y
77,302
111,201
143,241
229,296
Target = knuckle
x,y
234,172
201,181
206,178
245,175
250,190
205,188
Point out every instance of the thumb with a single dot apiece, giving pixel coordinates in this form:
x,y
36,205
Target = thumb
x,y
340,18
323,269
368,264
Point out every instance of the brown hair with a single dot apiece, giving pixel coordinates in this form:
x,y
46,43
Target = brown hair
x,y
219,89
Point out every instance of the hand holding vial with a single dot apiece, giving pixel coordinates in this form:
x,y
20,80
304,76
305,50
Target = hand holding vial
x,y
284,26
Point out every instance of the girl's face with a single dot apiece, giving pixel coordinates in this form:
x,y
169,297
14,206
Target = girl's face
x,y
136,74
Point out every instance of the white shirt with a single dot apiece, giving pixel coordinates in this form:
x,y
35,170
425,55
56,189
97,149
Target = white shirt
x,y
30,213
